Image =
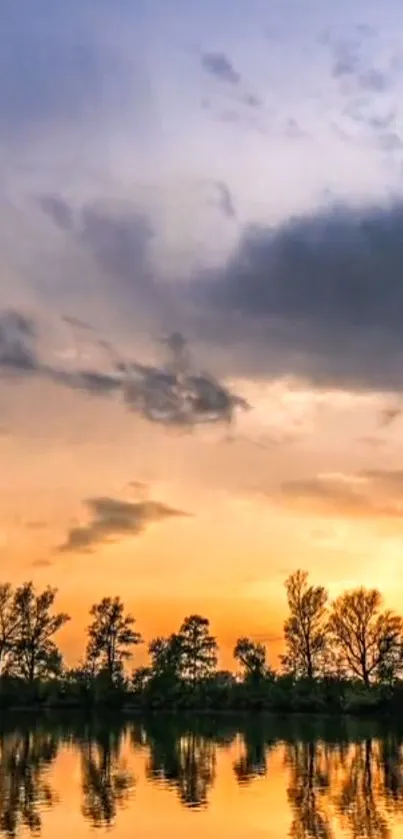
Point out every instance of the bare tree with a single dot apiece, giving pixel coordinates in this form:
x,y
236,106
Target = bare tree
x,y
305,628
369,641
111,636
34,653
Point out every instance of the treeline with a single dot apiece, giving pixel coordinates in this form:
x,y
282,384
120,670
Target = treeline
x,y
340,656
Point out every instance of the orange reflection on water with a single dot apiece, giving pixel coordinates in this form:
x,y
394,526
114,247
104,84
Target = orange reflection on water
x,y
171,778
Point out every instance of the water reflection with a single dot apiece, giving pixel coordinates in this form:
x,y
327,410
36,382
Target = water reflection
x,y
25,755
252,760
184,759
106,780
343,779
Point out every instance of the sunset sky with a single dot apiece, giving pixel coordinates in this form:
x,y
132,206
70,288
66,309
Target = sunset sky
x,y
232,172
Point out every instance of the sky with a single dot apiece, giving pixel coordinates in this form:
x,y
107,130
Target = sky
x,y
230,173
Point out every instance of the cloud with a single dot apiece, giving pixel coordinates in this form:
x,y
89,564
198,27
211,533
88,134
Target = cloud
x,y
390,480
58,210
111,518
117,236
225,200
173,394
17,343
367,85
367,494
220,66
389,414
318,296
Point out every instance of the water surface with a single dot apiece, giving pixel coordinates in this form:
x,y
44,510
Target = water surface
x,y
164,778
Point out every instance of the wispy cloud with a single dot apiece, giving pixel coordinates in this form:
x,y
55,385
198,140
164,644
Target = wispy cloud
x,y
112,518
369,494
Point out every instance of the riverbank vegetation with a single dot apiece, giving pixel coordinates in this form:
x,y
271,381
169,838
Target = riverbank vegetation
x,y
344,656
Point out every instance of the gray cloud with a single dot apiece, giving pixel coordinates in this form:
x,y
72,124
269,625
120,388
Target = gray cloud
x,y
58,210
318,296
17,343
366,86
173,394
225,200
19,357
220,66
111,518
117,236
119,242
89,381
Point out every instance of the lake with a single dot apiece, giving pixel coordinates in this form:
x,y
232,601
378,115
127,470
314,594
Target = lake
x,y
167,777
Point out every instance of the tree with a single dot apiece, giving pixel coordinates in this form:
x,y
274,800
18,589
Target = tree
x,y
34,653
199,648
305,628
252,657
369,641
166,655
110,637
8,622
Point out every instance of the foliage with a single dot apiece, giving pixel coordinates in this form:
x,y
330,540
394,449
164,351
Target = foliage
x,y
198,649
368,641
363,641
252,657
111,637
33,653
305,628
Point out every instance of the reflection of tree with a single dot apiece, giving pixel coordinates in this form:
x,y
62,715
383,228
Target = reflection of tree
x,y
253,759
106,781
307,790
360,801
358,783
392,771
184,760
24,757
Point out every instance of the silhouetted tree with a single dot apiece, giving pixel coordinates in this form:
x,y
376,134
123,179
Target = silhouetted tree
x,y
166,655
199,649
111,637
34,653
305,628
369,641
252,657
8,623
